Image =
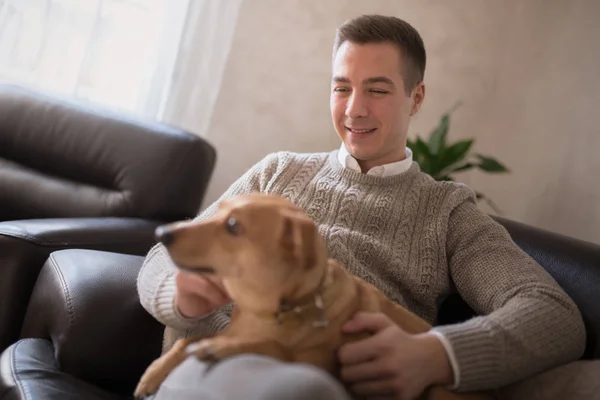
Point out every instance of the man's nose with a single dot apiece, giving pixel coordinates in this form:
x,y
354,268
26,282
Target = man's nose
x,y
357,106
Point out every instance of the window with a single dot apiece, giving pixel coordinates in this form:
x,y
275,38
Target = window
x,y
117,53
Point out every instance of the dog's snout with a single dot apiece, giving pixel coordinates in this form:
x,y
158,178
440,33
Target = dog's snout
x,y
164,235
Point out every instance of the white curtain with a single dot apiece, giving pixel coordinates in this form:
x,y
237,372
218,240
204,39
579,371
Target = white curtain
x,y
117,53
201,63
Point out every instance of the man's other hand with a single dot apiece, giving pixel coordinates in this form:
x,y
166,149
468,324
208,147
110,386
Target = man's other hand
x,y
391,363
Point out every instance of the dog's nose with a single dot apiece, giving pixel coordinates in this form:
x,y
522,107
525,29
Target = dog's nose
x,y
164,235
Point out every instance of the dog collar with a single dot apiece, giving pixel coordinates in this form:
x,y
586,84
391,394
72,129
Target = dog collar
x,y
286,311
313,302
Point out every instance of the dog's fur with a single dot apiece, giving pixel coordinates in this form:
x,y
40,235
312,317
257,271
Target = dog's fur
x,y
290,298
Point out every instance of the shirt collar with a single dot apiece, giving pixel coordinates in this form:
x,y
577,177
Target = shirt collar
x,y
398,167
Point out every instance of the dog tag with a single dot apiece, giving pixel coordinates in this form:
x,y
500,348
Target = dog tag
x,y
321,323
318,302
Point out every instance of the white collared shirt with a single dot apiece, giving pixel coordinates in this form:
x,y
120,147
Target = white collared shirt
x,y
398,167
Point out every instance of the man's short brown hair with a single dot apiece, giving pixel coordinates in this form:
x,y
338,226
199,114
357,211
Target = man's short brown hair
x,y
378,29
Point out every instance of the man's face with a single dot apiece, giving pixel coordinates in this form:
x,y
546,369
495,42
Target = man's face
x,y
369,106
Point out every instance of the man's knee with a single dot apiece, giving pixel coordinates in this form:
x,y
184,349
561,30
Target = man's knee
x,y
184,382
303,382
256,377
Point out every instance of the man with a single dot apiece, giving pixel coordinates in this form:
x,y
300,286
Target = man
x,y
414,238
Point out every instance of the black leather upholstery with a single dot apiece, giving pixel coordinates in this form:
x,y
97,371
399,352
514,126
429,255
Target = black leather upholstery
x,y
61,161
26,244
85,302
89,337
29,371
130,234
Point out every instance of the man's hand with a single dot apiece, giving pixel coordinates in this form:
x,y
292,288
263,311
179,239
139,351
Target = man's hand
x,y
197,296
391,363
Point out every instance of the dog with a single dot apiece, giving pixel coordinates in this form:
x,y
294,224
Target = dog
x,y
290,299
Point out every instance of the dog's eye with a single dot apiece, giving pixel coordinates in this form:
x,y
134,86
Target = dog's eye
x,y
233,226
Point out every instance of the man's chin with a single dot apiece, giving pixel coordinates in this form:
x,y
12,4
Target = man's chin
x,y
360,153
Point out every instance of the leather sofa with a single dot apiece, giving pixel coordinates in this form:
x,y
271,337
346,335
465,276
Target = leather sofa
x,y
89,338
78,176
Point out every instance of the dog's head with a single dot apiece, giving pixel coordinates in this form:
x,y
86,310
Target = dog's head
x,y
262,248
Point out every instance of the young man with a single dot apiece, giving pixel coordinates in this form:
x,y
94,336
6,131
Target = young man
x,y
414,238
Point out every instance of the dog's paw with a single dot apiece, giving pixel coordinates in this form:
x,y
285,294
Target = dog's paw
x,y
145,389
205,350
142,397
150,381
211,350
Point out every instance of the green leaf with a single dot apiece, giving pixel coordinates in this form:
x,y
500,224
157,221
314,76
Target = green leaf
x,y
489,164
422,155
453,155
461,167
437,139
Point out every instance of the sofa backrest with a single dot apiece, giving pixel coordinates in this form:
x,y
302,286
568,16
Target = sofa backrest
x,y
63,159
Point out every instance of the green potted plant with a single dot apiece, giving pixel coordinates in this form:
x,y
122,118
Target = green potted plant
x,y
442,159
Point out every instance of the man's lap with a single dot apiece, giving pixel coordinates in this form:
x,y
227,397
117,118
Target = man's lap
x,y
249,377
257,377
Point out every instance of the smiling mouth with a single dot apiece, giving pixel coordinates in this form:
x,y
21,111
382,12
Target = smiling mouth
x,y
360,131
201,270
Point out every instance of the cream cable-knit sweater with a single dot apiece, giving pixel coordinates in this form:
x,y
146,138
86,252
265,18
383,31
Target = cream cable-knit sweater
x,y
417,240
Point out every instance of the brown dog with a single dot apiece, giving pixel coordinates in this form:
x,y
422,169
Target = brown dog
x,y
290,299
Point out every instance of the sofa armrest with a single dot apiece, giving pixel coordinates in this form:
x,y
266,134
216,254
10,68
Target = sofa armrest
x,y
28,370
26,244
126,235
86,303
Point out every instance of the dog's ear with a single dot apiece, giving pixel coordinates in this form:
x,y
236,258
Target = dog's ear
x,y
298,239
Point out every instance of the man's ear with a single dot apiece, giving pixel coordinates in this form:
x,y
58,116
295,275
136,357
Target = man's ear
x,y
298,239
418,96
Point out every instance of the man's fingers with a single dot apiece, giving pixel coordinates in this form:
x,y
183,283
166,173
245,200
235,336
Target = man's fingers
x,y
360,351
365,321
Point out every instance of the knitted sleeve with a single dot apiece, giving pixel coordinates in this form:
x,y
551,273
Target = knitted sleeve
x,y
528,323
156,279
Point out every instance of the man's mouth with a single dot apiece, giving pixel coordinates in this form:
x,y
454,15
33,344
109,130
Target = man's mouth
x,y
360,131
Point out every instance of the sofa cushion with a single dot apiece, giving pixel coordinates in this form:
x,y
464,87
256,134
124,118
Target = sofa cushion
x,y
28,371
577,380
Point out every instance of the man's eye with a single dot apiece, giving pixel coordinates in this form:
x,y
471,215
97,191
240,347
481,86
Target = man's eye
x,y
341,90
379,91
233,226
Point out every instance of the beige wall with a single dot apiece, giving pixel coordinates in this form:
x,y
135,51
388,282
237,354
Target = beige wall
x,y
527,74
